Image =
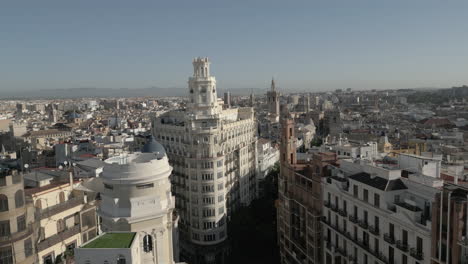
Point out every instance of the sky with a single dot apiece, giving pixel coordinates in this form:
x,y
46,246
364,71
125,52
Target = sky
x,y
306,45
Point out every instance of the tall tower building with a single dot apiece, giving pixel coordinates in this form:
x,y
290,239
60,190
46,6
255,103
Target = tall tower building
x,y
273,101
227,99
212,151
137,198
252,99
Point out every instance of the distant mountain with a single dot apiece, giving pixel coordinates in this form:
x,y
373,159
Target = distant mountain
x,y
113,92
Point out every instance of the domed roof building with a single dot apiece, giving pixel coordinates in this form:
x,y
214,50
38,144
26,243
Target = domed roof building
x,y
137,198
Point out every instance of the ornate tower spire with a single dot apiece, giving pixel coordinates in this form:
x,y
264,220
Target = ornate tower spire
x,y
202,86
273,88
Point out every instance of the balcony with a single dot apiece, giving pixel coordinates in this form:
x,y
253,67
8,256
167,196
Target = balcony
x,y
401,245
57,238
342,212
334,207
417,254
389,238
363,224
59,208
373,230
381,256
18,235
353,219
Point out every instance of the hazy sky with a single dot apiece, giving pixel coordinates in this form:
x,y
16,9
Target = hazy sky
x,y
310,45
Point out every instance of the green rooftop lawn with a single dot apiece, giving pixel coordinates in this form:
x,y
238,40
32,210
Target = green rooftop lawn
x,y
112,240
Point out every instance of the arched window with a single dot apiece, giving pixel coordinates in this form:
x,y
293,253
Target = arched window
x,y
3,203
19,198
121,259
147,243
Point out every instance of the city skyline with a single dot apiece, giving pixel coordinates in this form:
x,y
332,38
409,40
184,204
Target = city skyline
x,y
309,46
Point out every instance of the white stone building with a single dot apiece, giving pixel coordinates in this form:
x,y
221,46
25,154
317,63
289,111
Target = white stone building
x,y
372,214
213,152
137,198
267,155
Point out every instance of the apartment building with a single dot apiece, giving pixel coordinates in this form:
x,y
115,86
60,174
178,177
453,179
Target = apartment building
x,y
212,151
373,214
65,218
299,205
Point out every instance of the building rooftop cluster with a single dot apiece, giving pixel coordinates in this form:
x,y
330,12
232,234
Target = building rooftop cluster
x,y
367,176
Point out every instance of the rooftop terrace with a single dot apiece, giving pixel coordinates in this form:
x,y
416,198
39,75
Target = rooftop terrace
x,y
112,240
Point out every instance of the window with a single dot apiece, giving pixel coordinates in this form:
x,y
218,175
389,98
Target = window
x,y
220,186
219,163
355,190
4,228
419,244
209,237
49,259
195,236
208,200
366,195
147,243
221,198
207,188
21,222
209,212
6,255
28,247
121,260
221,210
221,222
209,225
108,186
376,200
207,176
220,174
3,203
145,186
19,198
